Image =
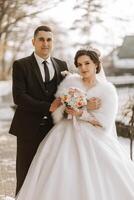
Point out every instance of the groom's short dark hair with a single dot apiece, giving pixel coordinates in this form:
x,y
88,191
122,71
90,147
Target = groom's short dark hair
x,y
42,28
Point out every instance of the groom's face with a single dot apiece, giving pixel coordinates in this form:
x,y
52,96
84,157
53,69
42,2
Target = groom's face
x,y
43,43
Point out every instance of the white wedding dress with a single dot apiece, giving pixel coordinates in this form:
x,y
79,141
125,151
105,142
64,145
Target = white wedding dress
x,y
77,161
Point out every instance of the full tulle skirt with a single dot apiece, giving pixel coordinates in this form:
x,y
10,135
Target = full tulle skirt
x,y
79,163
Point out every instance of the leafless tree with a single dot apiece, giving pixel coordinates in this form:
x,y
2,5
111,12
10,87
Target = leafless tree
x,y
87,13
15,24
11,12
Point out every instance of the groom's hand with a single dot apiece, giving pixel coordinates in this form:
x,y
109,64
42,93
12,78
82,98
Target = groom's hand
x,y
94,103
55,104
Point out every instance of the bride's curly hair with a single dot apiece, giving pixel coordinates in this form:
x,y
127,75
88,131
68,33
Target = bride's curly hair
x,y
94,56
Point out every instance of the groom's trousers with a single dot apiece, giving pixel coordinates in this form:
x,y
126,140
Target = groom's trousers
x,y
26,150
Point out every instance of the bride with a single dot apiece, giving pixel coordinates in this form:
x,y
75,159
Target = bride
x,y
81,158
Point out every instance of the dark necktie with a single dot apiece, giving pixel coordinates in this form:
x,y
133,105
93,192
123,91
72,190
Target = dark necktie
x,y
47,76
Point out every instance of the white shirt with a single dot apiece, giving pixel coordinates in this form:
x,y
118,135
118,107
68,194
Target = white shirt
x,y
41,66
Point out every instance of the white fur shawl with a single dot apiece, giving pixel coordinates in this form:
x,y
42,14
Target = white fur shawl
x,y
104,90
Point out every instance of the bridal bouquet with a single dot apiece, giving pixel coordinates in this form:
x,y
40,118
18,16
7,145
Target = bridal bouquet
x,y
74,98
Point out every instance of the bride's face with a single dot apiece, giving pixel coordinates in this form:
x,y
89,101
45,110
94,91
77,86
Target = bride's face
x,y
87,68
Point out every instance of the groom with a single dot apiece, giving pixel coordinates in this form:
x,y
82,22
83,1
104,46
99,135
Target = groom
x,y
35,80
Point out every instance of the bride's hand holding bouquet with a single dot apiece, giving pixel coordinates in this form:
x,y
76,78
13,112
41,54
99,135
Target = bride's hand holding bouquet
x,y
74,100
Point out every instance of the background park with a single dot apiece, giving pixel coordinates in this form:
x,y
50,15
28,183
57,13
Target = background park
x,y
103,24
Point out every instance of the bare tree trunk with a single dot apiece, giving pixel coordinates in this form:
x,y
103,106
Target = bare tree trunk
x,y
131,148
131,133
17,50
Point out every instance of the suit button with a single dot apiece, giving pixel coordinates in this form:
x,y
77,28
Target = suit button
x,y
45,117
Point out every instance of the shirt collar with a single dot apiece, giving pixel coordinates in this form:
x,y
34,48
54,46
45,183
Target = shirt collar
x,y
40,60
48,59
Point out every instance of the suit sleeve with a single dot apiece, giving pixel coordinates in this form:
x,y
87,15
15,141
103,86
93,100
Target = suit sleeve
x,y
20,96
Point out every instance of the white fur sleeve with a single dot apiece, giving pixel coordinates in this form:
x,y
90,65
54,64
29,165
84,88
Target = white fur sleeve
x,y
71,80
107,113
86,116
58,114
63,85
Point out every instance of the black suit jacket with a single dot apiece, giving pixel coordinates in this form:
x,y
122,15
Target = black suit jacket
x,y
30,96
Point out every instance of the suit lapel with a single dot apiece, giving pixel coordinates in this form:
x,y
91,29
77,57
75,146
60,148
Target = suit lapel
x,y
56,67
37,72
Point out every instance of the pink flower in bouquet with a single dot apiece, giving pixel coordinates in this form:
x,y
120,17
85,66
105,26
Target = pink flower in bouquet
x,y
74,98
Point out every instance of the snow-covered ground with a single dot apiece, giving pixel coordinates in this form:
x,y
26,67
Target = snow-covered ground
x,y
6,112
5,87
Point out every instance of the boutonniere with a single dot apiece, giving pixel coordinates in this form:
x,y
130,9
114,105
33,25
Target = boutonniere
x,y
65,73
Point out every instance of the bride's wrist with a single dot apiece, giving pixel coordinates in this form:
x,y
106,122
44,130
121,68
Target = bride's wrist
x,y
80,113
